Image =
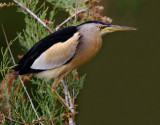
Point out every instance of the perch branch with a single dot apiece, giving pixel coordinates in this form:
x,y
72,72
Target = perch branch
x,y
75,14
19,75
35,16
68,102
71,103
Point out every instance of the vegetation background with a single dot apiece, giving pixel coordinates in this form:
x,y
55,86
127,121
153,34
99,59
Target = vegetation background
x,y
122,85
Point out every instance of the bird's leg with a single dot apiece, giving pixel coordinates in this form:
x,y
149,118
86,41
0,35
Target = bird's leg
x,y
57,81
62,101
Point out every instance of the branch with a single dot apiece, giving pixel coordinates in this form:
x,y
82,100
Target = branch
x,y
19,75
69,18
68,102
35,16
14,121
72,107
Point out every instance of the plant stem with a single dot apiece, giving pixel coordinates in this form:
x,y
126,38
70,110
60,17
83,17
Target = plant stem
x,y
35,16
14,121
69,18
19,75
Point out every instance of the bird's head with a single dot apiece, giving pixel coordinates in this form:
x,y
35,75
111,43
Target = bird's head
x,y
103,27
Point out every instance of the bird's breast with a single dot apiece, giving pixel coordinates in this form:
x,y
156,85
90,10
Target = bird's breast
x,y
86,50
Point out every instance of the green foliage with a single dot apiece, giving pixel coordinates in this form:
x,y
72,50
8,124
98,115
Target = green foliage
x,y
14,99
68,4
34,30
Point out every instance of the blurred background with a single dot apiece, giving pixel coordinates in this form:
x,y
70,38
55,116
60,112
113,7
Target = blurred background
x,y
122,85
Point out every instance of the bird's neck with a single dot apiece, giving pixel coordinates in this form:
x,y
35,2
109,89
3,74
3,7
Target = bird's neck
x,y
89,47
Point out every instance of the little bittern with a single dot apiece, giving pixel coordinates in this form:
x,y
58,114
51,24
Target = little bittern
x,y
59,53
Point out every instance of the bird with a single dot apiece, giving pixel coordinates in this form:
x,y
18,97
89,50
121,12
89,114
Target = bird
x,y
57,54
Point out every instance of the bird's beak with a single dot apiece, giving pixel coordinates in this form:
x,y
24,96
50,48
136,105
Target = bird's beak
x,y
113,28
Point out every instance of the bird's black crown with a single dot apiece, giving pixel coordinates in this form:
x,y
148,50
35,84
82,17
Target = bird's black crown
x,y
95,21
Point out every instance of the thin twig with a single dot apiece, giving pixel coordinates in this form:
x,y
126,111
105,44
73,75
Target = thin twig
x,y
50,115
14,121
20,76
76,13
18,114
8,45
35,16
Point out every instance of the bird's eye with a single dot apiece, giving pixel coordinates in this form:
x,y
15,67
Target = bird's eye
x,y
102,26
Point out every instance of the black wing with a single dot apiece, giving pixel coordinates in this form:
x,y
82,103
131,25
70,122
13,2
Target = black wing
x,y
25,63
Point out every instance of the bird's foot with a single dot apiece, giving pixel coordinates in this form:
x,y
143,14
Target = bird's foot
x,y
70,114
62,101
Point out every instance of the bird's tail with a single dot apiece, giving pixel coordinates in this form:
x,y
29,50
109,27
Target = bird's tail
x,y
16,70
